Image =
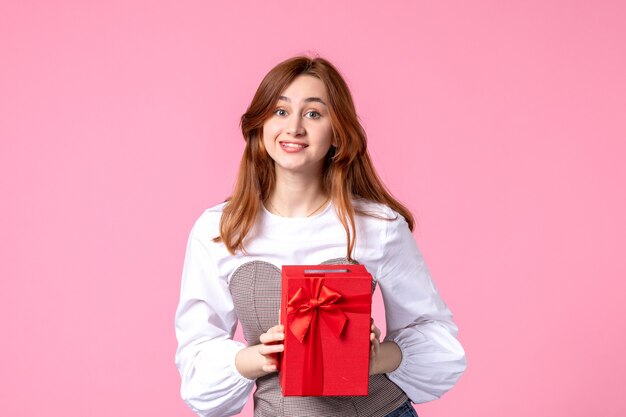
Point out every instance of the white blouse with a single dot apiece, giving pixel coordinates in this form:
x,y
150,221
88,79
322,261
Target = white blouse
x,y
417,319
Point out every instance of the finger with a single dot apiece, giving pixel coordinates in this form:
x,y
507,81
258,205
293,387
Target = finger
x,y
374,338
267,338
373,351
376,332
269,367
277,328
272,335
270,349
373,326
375,346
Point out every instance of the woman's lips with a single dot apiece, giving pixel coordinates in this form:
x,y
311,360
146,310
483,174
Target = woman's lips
x,y
292,147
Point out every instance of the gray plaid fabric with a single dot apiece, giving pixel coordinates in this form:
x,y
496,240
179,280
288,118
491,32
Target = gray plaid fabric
x,y
255,287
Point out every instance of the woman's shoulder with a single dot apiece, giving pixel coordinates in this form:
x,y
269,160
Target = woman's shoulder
x,y
208,222
381,216
216,209
373,208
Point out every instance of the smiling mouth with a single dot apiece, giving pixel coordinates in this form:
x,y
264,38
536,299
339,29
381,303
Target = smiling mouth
x,y
293,145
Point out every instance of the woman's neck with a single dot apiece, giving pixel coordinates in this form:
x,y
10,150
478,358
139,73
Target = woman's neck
x,y
297,196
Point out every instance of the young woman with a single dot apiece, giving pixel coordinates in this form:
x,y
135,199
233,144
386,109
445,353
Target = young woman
x,y
307,193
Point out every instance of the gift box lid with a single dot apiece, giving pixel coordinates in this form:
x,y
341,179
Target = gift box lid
x,y
331,271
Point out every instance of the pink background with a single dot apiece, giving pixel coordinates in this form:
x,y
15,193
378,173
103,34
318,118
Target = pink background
x,y
500,124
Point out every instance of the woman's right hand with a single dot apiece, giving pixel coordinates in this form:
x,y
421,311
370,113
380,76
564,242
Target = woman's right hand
x,y
259,360
271,345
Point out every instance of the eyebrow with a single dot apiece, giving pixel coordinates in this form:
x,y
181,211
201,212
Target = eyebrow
x,y
306,100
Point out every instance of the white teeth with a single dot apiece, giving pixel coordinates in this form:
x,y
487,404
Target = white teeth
x,y
292,145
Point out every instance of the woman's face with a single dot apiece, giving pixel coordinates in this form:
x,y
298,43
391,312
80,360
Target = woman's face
x,y
299,134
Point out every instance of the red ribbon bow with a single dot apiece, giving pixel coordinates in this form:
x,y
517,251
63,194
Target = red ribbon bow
x,y
304,306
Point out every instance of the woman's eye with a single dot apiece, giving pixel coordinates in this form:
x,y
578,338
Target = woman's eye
x,y
314,114
280,112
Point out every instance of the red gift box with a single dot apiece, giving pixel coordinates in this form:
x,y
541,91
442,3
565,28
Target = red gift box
x,y
326,312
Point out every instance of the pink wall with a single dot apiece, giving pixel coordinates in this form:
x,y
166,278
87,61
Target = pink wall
x,y
501,124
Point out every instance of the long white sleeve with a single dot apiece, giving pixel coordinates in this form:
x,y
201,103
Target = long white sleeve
x,y
205,323
418,320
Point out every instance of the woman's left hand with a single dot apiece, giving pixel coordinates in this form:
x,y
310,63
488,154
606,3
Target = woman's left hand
x,y
374,347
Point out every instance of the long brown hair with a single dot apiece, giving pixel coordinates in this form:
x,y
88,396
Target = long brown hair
x,y
348,171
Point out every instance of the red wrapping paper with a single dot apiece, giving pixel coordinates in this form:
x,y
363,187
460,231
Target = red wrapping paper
x,y
326,312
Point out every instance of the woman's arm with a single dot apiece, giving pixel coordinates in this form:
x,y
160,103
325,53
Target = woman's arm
x,y
418,321
205,323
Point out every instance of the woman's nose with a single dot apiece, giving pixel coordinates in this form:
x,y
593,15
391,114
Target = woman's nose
x,y
295,126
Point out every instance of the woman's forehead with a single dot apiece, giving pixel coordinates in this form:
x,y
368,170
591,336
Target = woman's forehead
x,y
305,88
